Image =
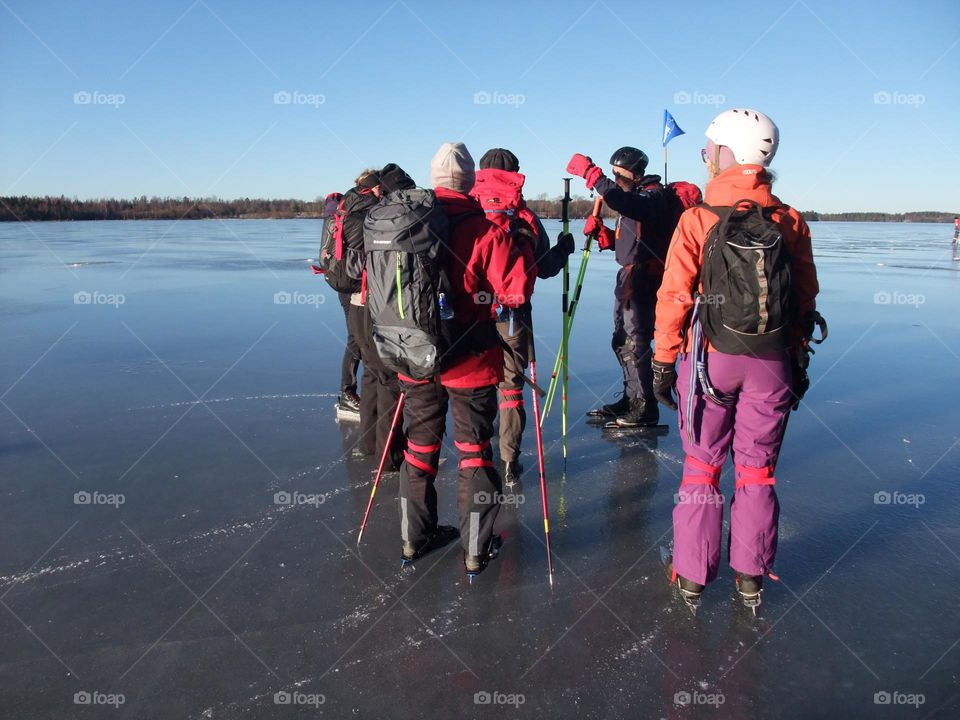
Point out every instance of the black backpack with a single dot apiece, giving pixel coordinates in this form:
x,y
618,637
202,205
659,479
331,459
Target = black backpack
x,y
746,304
405,239
328,244
343,266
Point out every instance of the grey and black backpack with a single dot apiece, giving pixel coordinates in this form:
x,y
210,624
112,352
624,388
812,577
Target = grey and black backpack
x,y
746,304
405,239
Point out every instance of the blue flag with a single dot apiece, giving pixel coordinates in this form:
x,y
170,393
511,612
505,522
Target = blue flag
x,y
670,128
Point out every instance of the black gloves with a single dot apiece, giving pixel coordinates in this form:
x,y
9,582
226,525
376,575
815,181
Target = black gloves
x,y
665,383
566,243
801,380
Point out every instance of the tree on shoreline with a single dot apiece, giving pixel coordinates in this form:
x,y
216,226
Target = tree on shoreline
x,y
34,209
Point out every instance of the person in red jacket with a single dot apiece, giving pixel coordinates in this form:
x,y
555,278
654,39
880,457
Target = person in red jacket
x,y
499,188
481,265
736,400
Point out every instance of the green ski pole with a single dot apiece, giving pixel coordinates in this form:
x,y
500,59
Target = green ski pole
x,y
565,346
571,313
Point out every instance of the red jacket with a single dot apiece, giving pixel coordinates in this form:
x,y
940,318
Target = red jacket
x,y
484,269
685,257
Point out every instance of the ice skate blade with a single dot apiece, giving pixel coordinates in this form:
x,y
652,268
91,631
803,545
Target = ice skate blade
x,y
752,602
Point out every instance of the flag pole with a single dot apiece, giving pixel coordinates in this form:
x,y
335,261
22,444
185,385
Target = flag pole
x,y
664,164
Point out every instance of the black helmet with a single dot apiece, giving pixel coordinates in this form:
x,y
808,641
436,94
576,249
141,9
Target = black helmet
x,y
631,160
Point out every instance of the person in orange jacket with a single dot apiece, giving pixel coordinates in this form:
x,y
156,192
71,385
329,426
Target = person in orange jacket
x,y
739,289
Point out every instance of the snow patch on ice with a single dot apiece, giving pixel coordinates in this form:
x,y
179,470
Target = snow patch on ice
x,y
247,398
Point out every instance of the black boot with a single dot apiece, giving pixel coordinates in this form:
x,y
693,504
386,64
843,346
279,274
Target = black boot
x,y
475,564
613,410
443,535
690,592
750,588
643,413
512,470
349,401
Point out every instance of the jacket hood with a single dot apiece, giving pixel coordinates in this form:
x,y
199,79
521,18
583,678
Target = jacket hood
x,y
504,178
740,182
357,199
455,203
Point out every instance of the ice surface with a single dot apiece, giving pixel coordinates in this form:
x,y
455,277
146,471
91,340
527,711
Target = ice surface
x,y
198,398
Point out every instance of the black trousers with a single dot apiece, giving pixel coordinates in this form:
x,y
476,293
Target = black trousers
x,y
513,414
634,313
379,393
351,353
478,495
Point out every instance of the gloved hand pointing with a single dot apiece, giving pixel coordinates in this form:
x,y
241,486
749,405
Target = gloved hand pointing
x,y
583,166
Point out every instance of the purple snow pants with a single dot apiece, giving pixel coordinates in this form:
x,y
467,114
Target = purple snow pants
x,y
752,427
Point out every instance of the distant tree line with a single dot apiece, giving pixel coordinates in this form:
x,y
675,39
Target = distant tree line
x,y
923,216
157,208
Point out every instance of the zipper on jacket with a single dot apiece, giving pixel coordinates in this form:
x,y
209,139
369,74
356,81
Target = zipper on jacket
x,y
399,288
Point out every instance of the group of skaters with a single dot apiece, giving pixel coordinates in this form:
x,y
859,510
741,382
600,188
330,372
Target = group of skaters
x,y
714,311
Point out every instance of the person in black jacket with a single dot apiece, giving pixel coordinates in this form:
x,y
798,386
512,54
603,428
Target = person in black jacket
x,y
499,188
348,398
379,389
648,216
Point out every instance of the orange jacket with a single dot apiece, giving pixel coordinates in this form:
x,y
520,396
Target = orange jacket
x,y
685,256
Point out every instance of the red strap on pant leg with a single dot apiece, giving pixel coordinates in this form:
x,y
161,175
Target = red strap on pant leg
x,y
420,464
475,462
510,404
472,447
711,474
422,448
512,391
754,476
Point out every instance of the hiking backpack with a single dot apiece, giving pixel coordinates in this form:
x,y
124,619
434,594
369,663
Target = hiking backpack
x,y
405,239
746,301
328,245
686,193
342,266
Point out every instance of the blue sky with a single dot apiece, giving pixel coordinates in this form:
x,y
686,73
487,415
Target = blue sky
x,y
181,96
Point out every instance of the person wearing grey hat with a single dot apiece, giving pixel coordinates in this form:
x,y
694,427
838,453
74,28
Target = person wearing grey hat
x,y
482,269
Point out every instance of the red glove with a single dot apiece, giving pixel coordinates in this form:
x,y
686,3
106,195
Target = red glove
x,y
592,225
606,238
583,166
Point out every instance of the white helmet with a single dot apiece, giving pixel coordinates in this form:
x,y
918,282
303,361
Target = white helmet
x,y
751,136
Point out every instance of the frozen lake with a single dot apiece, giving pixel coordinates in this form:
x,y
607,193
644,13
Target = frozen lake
x,y
149,365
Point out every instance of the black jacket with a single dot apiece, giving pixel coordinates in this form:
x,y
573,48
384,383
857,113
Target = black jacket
x,y
356,203
648,217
